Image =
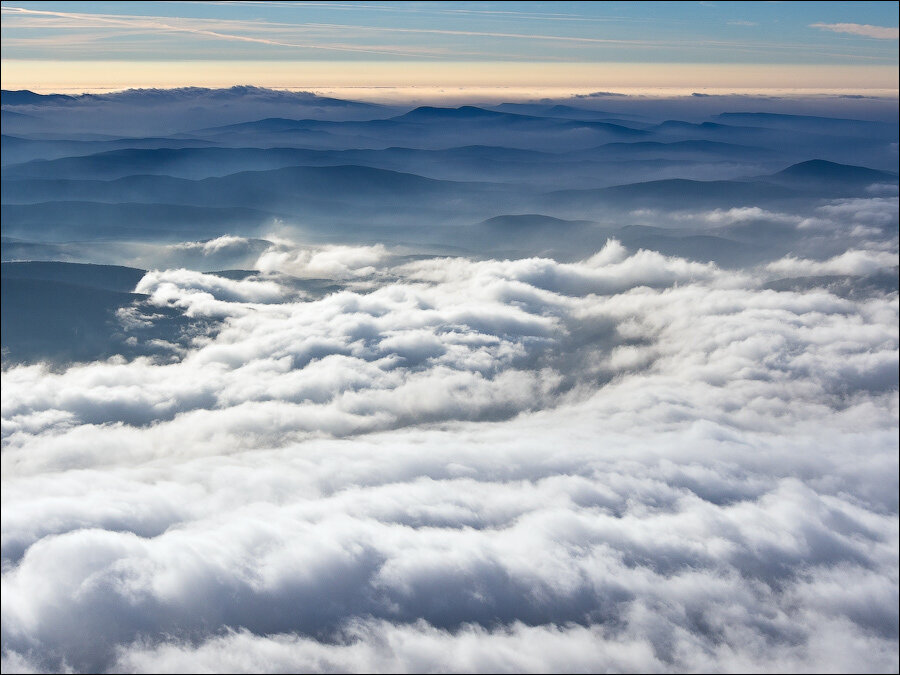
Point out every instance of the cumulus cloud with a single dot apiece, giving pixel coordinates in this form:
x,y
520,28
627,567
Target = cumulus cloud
x,y
207,294
225,243
217,254
627,462
518,648
852,262
332,262
875,211
742,214
839,215
766,235
882,189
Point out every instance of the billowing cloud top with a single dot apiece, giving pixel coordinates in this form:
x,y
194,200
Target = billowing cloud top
x,y
630,462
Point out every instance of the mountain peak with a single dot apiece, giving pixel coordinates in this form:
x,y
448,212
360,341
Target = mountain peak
x,y
28,97
821,169
464,112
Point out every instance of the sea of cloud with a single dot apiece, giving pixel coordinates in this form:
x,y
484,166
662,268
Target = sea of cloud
x,y
628,462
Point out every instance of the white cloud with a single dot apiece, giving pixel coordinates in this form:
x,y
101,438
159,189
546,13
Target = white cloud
x,y
743,214
227,243
630,462
882,189
877,211
200,294
864,29
331,262
228,30
853,262
381,647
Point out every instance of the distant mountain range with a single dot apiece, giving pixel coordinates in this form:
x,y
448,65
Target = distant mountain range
x,y
157,166
168,96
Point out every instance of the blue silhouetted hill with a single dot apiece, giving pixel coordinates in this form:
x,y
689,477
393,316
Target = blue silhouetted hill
x,y
331,189
731,151
812,124
427,113
26,97
80,220
821,171
61,312
58,321
205,162
104,277
814,178
675,193
570,238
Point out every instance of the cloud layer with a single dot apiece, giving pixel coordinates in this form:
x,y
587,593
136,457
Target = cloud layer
x,y
628,462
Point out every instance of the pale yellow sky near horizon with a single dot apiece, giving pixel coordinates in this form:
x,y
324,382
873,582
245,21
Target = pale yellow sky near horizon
x,y
394,78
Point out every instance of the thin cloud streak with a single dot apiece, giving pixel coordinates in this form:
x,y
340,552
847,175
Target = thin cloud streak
x,y
395,8
157,23
866,30
153,24
226,29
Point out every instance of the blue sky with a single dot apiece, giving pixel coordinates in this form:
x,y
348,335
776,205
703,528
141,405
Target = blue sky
x,y
646,32
329,46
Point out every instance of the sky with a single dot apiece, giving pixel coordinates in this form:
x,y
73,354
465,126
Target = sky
x,y
88,46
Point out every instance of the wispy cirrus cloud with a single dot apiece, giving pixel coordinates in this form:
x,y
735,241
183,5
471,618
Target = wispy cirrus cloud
x,y
217,29
431,40
431,9
159,24
866,30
